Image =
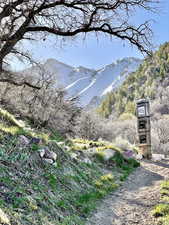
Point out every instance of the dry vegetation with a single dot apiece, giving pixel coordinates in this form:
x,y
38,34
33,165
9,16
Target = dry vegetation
x,y
64,192
49,108
46,107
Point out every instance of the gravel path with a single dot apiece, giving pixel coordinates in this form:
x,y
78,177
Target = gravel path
x,y
132,202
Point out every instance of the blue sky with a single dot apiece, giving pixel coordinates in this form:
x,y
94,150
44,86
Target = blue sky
x,y
93,53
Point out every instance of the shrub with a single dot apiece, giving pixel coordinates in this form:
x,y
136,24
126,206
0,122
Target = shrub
x,y
46,107
160,135
125,129
126,116
91,126
122,143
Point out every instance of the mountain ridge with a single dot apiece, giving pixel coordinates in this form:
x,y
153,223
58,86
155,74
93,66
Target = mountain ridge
x,y
143,83
85,83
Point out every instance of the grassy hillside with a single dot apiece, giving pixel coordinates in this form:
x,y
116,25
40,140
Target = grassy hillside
x,y
64,192
152,73
161,211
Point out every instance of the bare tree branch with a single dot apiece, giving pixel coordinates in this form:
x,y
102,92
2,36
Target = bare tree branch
x,y
8,77
19,84
21,19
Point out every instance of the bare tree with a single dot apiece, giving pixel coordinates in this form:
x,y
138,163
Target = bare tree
x,y
47,107
22,19
160,135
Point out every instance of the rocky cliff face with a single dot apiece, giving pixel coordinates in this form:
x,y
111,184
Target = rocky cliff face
x,y
83,82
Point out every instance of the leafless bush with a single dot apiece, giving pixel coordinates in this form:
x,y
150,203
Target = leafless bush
x,y
88,126
122,143
159,108
91,126
156,147
126,129
45,107
160,135
160,121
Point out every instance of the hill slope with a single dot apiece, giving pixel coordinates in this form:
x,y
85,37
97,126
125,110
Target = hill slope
x,y
153,73
43,182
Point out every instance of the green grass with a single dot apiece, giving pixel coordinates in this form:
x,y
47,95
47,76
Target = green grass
x,y
64,193
162,210
13,130
5,115
165,220
56,136
10,125
165,185
82,144
37,193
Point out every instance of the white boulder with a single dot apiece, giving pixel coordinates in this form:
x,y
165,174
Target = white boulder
x,y
157,157
47,155
108,154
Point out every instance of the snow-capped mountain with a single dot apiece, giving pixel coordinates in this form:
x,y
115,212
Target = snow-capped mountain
x,y
87,84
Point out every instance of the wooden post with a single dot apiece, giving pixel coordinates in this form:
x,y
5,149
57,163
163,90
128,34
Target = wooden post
x,y
144,128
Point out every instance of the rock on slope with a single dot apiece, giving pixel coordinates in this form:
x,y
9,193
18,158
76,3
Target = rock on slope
x,y
42,183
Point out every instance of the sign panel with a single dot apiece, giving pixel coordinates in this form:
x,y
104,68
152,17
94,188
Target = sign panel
x,y
142,124
143,139
144,128
141,111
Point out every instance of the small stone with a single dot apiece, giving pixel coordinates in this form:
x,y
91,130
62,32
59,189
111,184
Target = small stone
x,y
139,156
60,143
50,161
3,218
35,140
128,154
73,155
42,153
87,161
67,148
50,155
23,140
108,154
100,139
47,154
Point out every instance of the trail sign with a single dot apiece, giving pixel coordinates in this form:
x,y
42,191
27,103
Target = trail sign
x,y
144,128
143,108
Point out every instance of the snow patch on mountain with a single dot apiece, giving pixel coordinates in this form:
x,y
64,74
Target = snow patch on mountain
x,y
109,78
87,84
123,68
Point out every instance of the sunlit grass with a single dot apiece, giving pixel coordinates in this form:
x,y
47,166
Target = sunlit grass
x,y
18,127
165,185
67,190
107,177
14,130
8,116
4,218
162,210
100,146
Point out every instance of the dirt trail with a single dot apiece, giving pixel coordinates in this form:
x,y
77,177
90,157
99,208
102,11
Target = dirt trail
x,y
132,202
